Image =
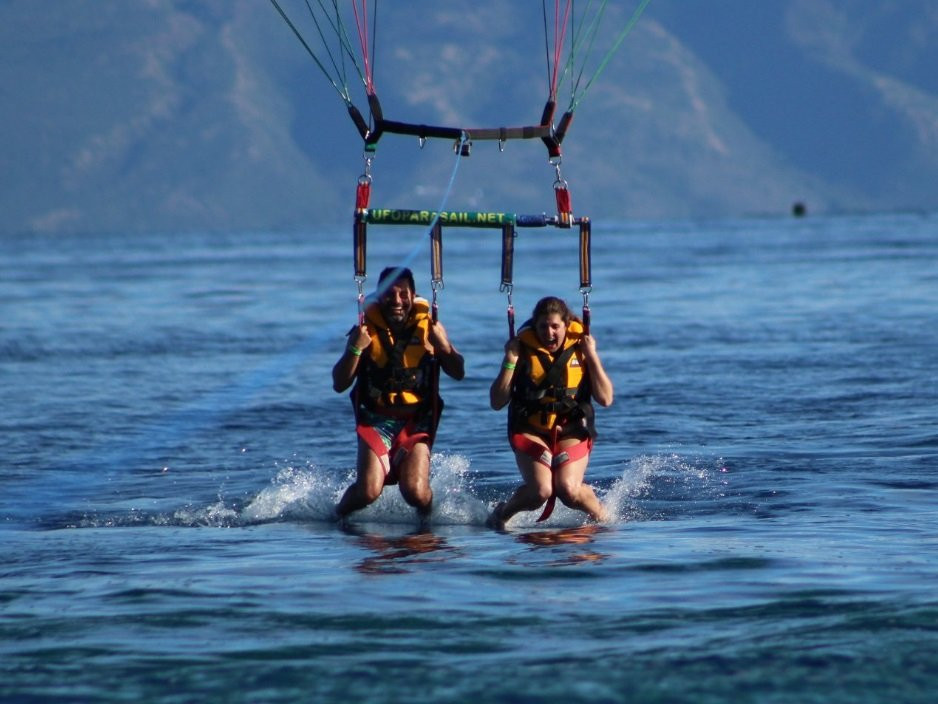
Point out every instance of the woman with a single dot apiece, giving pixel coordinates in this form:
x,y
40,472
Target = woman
x,y
550,374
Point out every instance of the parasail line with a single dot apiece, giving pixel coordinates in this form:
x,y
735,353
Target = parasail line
x,y
546,45
361,23
342,94
590,32
345,44
619,39
560,34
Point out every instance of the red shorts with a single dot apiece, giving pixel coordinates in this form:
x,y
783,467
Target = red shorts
x,y
550,458
391,439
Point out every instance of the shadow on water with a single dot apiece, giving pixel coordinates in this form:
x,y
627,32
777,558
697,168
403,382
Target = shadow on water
x,y
578,536
396,554
403,554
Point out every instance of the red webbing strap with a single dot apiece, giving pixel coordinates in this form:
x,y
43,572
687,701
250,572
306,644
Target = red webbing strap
x,y
548,508
551,502
564,206
362,195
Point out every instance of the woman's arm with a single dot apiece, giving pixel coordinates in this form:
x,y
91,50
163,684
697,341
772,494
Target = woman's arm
x,y
500,392
600,383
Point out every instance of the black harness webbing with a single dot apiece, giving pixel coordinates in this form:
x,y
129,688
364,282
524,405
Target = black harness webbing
x,y
586,281
543,131
508,263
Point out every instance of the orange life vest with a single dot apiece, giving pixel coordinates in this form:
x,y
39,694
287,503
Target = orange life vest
x,y
395,374
551,389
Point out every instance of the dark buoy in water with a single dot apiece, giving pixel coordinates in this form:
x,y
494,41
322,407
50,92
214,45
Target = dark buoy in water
x,y
799,209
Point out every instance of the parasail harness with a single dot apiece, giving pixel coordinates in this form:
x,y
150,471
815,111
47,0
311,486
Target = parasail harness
x,y
507,223
328,18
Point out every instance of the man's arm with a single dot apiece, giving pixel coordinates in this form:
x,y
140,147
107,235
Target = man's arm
x,y
343,373
450,360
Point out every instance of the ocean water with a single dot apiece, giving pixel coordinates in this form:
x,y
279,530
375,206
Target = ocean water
x,y
172,448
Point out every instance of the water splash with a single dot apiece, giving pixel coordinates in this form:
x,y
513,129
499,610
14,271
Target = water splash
x,y
649,487
217,514
455,502
658,486
309,494
301,493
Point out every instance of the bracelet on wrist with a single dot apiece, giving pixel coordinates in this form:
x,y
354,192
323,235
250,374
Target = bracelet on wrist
x,y
354,351
509,365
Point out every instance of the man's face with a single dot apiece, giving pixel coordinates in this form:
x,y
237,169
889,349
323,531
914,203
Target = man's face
x,y
396,302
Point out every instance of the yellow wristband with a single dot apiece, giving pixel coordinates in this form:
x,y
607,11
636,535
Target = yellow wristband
x,y
354,350
509,365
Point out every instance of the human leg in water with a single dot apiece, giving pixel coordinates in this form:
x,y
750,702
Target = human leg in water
x,y
532,494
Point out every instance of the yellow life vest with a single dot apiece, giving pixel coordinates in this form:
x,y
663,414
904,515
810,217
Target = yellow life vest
x,y
550,389
395,373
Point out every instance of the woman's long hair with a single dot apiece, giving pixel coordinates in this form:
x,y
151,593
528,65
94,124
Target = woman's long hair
x,y
550,305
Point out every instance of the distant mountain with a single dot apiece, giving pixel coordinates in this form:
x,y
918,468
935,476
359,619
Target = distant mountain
x,y
208,114
844,90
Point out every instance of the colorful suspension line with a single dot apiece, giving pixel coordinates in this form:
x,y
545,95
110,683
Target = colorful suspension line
x,y
372,129
327,19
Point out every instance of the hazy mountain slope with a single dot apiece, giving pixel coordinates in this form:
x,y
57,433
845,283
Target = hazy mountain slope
x,y
845,90
654,138
182,115
144,116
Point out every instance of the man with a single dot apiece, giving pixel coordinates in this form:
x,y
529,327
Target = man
x,y
394,359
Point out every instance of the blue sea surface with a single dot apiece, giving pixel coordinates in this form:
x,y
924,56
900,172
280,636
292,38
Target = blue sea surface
x,y
172,449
